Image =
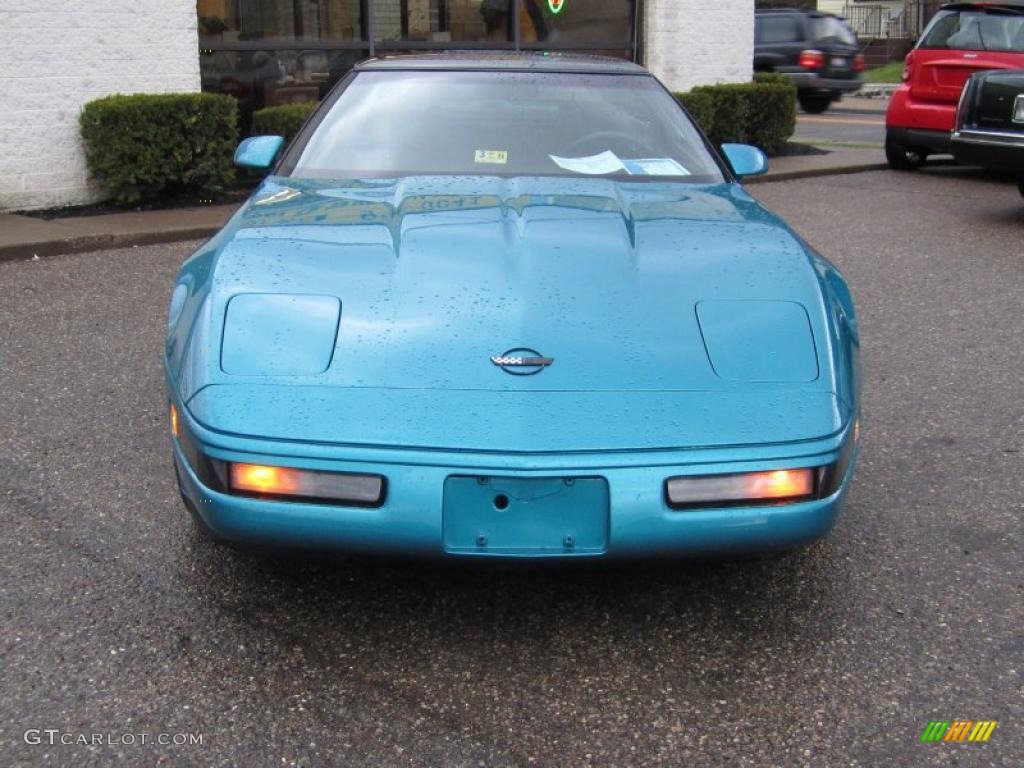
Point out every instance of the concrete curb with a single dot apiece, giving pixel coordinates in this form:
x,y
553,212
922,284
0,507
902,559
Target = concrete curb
x,y
877,90
109,241
106,242
813,173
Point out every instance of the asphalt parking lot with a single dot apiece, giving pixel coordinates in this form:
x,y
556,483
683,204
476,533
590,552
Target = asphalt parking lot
x,y
842,128
118,619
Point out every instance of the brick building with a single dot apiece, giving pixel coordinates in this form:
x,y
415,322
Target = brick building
x,y
59,54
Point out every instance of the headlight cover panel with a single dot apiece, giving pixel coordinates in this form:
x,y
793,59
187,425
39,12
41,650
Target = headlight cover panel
x,y
759,341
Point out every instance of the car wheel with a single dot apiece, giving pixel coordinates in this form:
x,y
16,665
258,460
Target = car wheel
x,y
814,103
903,158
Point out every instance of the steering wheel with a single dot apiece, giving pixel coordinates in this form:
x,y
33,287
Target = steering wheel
x,y
603,139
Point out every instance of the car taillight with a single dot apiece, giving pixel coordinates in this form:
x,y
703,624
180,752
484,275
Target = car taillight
x,y
859,63
908,69
811,60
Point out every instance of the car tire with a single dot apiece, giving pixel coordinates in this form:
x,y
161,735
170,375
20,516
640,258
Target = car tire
x,y
814,103
903,158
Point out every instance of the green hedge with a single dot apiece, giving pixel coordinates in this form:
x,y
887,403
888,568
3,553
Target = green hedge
x,y
144,146
282,121
762,113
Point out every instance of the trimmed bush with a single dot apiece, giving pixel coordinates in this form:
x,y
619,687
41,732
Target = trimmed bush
x,y
762,113
282,121
772,77
771,112
143,146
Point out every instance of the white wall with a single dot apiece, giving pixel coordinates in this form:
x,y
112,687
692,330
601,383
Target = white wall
x,y
832,6
699,42
55,55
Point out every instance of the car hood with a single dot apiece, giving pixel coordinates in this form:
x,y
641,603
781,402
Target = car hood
x,y
322,288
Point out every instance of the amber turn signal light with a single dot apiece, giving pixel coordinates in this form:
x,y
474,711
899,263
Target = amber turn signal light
x,y
753,487
257,478
174,420
306,484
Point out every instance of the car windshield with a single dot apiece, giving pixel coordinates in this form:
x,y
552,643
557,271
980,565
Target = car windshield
x,y
832,30
402,123
976,31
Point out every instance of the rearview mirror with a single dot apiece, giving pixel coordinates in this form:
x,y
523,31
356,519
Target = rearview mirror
x,y
258,152
745,160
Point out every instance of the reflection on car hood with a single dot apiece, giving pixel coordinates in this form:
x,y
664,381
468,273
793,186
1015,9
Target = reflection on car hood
x,y
437,275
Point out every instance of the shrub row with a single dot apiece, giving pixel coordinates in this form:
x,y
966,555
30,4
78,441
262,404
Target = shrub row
x,y
144,146
762,113
282,121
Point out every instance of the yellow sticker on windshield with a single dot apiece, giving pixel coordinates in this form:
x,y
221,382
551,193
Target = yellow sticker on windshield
x,y
493,156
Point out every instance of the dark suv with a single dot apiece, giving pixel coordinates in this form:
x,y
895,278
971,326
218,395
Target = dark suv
x,y
817,51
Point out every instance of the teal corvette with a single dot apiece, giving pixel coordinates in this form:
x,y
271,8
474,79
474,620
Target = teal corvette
x,y
510,306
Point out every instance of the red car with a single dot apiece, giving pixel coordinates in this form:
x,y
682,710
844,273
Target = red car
x,y
962,39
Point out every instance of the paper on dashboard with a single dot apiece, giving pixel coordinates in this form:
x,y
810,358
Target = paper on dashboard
x,y
655,166
595,165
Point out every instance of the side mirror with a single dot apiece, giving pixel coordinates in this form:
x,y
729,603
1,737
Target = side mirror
x,y
258,152
745,159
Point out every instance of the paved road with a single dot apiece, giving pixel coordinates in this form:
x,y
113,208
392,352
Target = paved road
x,y
117,619
841,128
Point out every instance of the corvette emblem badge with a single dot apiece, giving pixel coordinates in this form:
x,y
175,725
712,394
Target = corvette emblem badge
x,y
522,362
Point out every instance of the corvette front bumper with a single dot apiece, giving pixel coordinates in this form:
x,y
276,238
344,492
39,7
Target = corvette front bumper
x,y
630,519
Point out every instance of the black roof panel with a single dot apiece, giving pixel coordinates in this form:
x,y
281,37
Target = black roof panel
x,y
526,61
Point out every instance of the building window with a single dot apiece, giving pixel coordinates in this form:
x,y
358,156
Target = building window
x,y
273,52
445,22
274,21
590,23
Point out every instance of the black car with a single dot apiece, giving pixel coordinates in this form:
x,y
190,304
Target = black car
x,y
989,127
817,51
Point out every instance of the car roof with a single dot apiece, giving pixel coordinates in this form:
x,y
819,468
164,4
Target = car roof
x,y
504,61
766,12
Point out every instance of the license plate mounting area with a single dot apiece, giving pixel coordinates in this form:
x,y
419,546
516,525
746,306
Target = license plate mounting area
x,y
534,516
